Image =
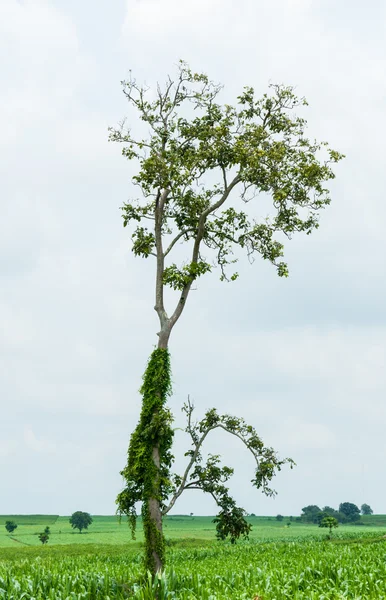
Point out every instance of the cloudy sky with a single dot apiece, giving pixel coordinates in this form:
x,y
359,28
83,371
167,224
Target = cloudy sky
x,y
302,359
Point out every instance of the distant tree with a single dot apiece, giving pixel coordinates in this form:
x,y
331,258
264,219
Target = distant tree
x,y
252,515
10,526
80,520
350,510
328,511
44,536
309,513
366,509
330,523
320,516
279,517
331,512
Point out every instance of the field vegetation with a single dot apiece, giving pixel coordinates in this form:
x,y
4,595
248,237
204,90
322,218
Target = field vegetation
x,y
279,561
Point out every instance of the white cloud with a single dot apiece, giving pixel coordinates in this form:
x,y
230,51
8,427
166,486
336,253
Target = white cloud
x,y
302,360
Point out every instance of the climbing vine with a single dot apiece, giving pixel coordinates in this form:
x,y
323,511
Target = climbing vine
x,y
147,478
147,473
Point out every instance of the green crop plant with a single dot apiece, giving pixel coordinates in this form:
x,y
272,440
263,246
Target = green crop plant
x,y
347,568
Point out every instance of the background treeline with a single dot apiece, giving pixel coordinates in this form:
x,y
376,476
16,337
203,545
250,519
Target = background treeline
x,y
346,513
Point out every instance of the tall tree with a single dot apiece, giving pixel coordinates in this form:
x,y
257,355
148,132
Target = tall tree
x,y
196,157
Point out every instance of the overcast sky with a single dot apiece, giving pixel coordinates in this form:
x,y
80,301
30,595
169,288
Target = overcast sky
x,y
302,359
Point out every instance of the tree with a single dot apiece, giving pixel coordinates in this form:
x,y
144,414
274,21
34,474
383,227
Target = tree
x,y
310,513
279,517
330,523
351,511
10,526
80,520
320,516
197,155
44,536
366,509
331,512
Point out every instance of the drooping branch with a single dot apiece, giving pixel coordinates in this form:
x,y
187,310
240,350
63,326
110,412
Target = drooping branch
x,y
210,477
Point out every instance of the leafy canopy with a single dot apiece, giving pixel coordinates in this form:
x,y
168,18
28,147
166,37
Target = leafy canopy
x,y
198,151
44,536
366,509
330,523
350,510
10,526
80,520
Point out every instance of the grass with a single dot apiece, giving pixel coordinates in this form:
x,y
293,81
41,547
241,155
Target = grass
x,y
106,530
298,569
280,562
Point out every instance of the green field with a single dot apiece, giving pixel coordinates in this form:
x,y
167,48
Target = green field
x,y
278,562
108,530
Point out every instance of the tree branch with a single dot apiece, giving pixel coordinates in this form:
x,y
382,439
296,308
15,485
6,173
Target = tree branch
x,y
159,298
178,237
196,248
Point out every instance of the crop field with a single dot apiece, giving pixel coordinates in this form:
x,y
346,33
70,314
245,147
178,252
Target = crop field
x,y
279,562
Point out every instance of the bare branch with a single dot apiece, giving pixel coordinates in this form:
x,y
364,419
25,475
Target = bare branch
x,y
197,442
175,240
159,297
196,248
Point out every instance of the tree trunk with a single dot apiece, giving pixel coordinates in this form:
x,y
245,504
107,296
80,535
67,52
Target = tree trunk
x,y
153,530
155,517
